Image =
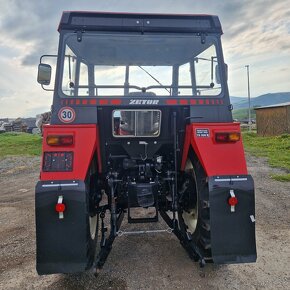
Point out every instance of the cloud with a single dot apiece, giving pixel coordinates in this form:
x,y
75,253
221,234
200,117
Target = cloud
x,y
262,26
18,89
256,32
249,25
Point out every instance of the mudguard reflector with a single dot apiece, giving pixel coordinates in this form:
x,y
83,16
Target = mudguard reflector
x,y
232,232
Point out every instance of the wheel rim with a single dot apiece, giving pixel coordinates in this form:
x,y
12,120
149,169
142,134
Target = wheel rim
x,y
93,226
190,219
190,216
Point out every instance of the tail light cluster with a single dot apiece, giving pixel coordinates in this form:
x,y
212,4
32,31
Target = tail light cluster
x,y
58,161
60,140
227,137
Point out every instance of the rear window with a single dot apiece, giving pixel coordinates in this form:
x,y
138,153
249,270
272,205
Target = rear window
x,y
136,123
124,65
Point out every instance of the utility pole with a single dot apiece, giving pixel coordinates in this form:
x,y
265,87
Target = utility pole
x,y
249,97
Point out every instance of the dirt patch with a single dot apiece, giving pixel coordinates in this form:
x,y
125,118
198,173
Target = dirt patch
x,y
155,261
18,164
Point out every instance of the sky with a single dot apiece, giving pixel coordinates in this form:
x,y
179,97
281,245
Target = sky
x,y
256,33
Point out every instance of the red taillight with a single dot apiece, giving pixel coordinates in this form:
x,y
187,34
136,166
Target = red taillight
x,y
59,140
233,201
227,137
60,207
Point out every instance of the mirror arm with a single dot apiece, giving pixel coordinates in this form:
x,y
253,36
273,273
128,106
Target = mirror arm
x,y
212,61
47,55
48,90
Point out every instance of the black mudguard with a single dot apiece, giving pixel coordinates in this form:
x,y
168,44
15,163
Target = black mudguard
x,y
61,243
232,233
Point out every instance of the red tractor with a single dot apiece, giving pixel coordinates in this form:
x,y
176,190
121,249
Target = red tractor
x,y
141,118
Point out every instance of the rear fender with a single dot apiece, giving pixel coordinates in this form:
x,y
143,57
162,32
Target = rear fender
x,y
216,158
86,144
232,233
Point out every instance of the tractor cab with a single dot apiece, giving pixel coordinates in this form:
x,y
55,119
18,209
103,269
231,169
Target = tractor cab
x,y
138,62
141,118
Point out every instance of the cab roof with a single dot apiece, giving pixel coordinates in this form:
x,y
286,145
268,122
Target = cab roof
x,y
139,22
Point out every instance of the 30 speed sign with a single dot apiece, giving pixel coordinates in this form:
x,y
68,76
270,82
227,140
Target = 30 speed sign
x,y
67,114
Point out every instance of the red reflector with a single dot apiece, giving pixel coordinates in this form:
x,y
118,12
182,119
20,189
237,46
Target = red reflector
x,y
57,161
60,207
232,201
104,102
183,102
116,102
93,102
171,102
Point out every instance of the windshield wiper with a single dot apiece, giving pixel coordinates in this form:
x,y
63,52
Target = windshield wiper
x,y
153,78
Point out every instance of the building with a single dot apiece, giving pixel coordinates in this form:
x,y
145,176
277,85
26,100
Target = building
x,y
273,120
30,123
18,125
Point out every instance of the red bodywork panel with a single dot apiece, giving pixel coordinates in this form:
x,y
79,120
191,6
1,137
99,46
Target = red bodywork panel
x,y
86,143
216,158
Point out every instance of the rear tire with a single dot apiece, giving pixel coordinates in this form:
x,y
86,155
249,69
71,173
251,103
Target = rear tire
x,y
92,217
92,238
194,215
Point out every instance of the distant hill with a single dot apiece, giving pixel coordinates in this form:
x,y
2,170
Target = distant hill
x,y
263,100
238,100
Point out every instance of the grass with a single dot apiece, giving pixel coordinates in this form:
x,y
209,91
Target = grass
x,y
276,149
281,177
19,144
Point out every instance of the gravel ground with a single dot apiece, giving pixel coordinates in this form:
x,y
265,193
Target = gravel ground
x,y
155,261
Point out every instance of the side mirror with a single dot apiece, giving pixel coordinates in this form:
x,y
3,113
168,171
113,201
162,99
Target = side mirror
x,y
217,73
44,74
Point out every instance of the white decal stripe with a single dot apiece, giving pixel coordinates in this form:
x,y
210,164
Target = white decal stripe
x,y
252,218
60,184
60,199
230,179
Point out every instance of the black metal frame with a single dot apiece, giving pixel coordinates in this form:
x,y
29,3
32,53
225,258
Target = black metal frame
x,y
106,243
141,22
